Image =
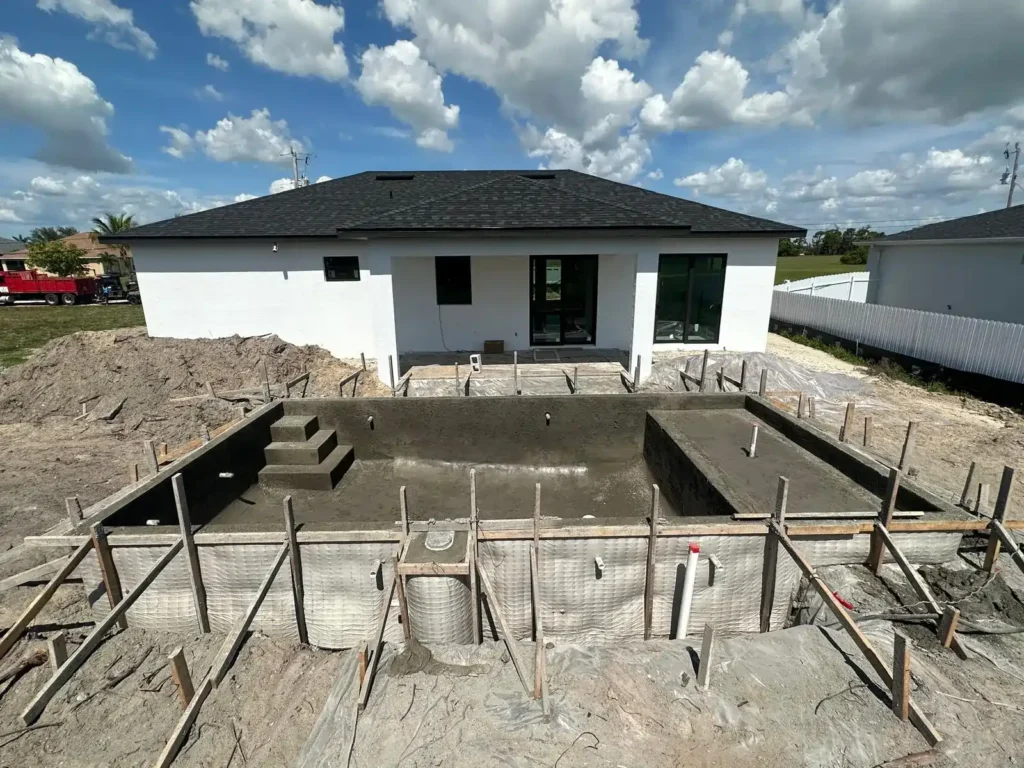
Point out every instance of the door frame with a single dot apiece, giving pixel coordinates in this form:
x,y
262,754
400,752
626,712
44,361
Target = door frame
x,y
534,307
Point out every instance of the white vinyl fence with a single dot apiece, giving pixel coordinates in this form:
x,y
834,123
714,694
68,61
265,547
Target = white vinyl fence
x,y
852,286
962,343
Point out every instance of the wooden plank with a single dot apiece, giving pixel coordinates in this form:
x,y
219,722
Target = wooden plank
x,y
916,582
506,634
900,677
763,386
877,552
769,565
652,547
847,515
185,722
908,446
743,375
37,573
810,407
948,625
295,559
57,649
999,515
226,655
111,582
1009,542
378,646
107,408
403,506
436,569
11,636
75,660
403,608
351,377
149,454
474,594
181,677
846,431
704,371
74,509
195,573
917,717
868,432
965,495
707,651
540,682
800,406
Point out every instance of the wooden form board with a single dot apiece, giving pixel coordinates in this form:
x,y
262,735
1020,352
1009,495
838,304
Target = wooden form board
x,y
506,634
378,645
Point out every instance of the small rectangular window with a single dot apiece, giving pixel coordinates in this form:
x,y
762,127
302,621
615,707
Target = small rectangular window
x,y
341,268
454,280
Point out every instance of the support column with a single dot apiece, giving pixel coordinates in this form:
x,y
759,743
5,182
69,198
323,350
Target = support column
x,y
645,293
383,302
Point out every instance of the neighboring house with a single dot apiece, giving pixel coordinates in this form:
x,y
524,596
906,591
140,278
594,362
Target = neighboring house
x,y
428,261
973,267
7,260
99,259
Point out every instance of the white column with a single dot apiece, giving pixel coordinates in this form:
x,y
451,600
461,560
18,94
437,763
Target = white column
x,y
645,293
383,300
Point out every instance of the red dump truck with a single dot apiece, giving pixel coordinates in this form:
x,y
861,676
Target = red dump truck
x,y
21,286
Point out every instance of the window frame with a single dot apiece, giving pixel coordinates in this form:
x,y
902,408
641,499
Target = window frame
x,y
691,258
460,300
327,270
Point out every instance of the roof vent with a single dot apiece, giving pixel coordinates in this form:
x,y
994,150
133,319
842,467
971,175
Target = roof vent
x,y
539,176
394,177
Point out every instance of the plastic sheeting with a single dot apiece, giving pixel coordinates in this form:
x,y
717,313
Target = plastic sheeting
x,y
346,586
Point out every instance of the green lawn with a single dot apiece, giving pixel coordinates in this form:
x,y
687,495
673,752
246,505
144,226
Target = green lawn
x,y
799,267
25,328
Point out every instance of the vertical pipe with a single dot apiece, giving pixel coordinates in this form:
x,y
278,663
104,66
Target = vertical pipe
x,y
686,603
752,450
515,372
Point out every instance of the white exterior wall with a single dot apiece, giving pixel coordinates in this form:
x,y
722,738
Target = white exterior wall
x,y
983,280
209,289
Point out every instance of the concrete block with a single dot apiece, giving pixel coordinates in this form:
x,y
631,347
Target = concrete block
x,y
294,428
320,477
311,451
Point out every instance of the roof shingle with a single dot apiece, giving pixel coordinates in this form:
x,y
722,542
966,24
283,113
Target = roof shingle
x,y
446,201
1006,222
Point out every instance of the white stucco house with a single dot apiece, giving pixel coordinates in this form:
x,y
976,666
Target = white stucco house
x,y
972,266
429,261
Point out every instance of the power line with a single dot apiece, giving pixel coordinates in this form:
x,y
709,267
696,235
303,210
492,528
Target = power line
x,y
837,223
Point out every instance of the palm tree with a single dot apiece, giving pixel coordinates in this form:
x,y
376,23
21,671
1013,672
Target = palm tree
x,y
111,224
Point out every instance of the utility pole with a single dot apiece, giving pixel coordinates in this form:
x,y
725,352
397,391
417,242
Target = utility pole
x,y
300,180
1012,176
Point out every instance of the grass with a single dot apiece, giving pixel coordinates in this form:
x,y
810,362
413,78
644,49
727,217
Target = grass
x,y
883,367
26,328
800,267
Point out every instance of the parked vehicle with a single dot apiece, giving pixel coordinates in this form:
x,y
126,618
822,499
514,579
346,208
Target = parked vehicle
x,y
20,286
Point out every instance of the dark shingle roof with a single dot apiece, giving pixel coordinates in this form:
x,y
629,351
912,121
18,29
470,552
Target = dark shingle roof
x,y
9,246
448,201
1006,222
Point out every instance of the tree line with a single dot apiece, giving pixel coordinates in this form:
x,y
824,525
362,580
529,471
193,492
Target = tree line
x,y
832,242
48,250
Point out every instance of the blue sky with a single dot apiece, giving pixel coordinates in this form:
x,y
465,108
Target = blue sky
x,y
846,111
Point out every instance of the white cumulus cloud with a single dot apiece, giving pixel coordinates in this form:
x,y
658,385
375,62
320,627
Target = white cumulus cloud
x,y
731,179
281,185
217,62
211,93
111,23
256,138
180,141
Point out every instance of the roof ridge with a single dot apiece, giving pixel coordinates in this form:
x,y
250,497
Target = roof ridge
x,y
418,203
585,196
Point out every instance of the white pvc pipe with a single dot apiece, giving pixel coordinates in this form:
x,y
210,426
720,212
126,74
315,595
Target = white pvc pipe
x,y
683,619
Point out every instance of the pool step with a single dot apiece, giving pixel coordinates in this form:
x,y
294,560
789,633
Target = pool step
x,y
312,477
311,451
294,429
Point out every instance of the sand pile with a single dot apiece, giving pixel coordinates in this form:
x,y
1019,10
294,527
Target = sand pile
x,y
154,375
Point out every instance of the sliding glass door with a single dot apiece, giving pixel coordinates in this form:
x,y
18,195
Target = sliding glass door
x,y
563,300
688,309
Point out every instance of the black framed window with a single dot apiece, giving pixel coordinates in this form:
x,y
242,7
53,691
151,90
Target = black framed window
x,y
454,280
341,268
688,309
15,265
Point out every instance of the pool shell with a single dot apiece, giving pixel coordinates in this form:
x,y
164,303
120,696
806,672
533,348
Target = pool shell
x,y
689,444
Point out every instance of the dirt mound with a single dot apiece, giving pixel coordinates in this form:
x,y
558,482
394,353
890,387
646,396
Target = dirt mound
x,y
154,373
977,595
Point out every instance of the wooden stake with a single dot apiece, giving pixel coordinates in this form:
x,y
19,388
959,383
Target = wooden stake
x,y
947,627
111,582
403,608
917,717
981,501
474,594
181,677
868,424
965,496
209,390
76,659
180,732
771,555
295,559
362,356
846,432
133,473
21,624
763,387
403,504
996,528
74,509
266,382
704,371
877,552
506,634
195,573
540,682
900,676
226,655
515,372
908,446
707,650
810,407
743,375
391,373
361,663
378,645
652,549
999,515
150,456
57,648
